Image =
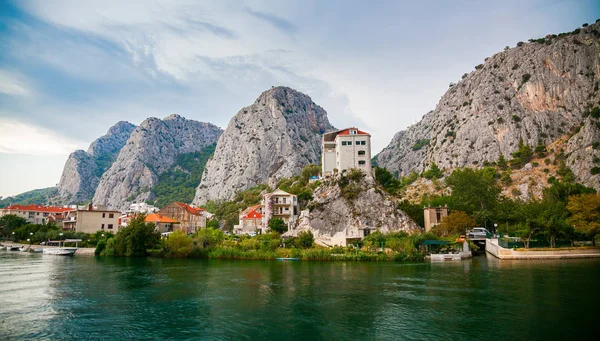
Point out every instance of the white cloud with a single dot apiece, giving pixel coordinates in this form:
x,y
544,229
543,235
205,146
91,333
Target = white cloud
x,y
21,138
13,84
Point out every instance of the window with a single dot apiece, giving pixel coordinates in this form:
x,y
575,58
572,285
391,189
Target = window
x,y
284,200
361,163
37,213
363,143
102,227
352,132
361,153
111,215
344,143
103,215
110,226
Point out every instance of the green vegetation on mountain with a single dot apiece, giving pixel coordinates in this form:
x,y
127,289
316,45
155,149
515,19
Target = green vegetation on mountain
x,y
227,212
37,196
180,181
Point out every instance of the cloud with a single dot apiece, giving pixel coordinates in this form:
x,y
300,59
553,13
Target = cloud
x,y
12,84
21,138
273,20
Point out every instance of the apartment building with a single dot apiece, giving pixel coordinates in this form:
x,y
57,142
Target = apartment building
x,y
191,219
92,220
346,149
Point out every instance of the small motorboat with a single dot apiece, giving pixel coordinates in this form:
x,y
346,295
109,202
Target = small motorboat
x,y
13,248
287,258
60,251
24,248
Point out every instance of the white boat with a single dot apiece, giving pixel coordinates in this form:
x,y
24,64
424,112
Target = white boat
x,y
60,251
24,248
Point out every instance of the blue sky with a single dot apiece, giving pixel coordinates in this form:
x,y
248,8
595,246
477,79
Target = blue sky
x,y
71,69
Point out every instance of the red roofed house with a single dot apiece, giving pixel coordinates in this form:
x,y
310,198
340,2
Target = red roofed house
x,y
37,214
163,224
191,218
346,149
251,221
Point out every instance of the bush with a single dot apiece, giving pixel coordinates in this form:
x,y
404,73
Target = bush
x,y
178,245
277,225
305,239
133,240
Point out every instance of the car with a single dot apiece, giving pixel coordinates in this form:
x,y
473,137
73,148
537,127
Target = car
x,y
478,232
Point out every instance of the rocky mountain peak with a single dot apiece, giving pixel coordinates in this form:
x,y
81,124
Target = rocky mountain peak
x,y
536,92
276,136
150,150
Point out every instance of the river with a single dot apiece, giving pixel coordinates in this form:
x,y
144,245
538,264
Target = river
x,y
75,298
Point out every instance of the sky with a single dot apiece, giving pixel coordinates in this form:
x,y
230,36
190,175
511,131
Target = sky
x,y
70,69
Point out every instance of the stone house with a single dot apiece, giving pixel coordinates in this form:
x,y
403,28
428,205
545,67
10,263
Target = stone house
x,y
191,219
434,216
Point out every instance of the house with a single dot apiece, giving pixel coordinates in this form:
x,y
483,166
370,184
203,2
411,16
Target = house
x,y
280,204
251,221
346,149
92,220
142,207
163,224
434,216
191,219
37,214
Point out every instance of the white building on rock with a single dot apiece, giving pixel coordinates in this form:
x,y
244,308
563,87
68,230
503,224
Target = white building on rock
x,y
346,149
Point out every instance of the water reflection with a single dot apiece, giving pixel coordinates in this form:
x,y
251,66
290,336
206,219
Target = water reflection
x,y
117,298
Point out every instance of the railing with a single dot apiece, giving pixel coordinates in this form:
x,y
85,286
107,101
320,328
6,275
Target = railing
x,y
512,244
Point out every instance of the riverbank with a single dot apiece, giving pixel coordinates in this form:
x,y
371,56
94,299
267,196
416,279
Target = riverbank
x,y
82,251
492,247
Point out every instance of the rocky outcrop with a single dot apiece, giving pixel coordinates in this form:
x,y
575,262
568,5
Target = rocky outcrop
x,y
537,92
150,150
346,204
83,170
275,137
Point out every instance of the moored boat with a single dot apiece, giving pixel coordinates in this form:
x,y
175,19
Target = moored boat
x,y
60,251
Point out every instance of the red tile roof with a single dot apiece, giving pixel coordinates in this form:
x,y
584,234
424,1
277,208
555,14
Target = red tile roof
x,y
157,218
252,212
190,209
38,208
347,132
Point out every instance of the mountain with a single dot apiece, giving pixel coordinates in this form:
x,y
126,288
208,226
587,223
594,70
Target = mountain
x,y
540,92
36,196
273,138
83,170
151,150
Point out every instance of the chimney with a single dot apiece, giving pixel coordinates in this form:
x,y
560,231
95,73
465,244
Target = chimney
x,y
90,207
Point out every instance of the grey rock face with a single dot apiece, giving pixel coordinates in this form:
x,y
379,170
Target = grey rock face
x,y
150,150
275,137
536,92
82,170
334,217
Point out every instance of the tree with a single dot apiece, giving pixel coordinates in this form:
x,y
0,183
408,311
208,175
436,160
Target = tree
x,y
585,214
133,240
474,191
456,222
277,225
522,155
502,164
434,172
386,180
178,244
209,237
305,239
413,211
10,222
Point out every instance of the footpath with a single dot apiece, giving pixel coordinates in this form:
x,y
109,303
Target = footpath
x,y
492,247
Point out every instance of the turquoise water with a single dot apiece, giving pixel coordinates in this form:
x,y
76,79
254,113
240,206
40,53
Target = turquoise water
x,y
51,297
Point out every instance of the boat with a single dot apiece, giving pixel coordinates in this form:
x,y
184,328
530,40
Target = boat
x,y
37,250
287,258
13,248
61,250
24,248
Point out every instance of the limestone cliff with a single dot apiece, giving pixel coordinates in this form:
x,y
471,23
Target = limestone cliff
x,y
150,150
83,170
537,92
346,204
273,138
